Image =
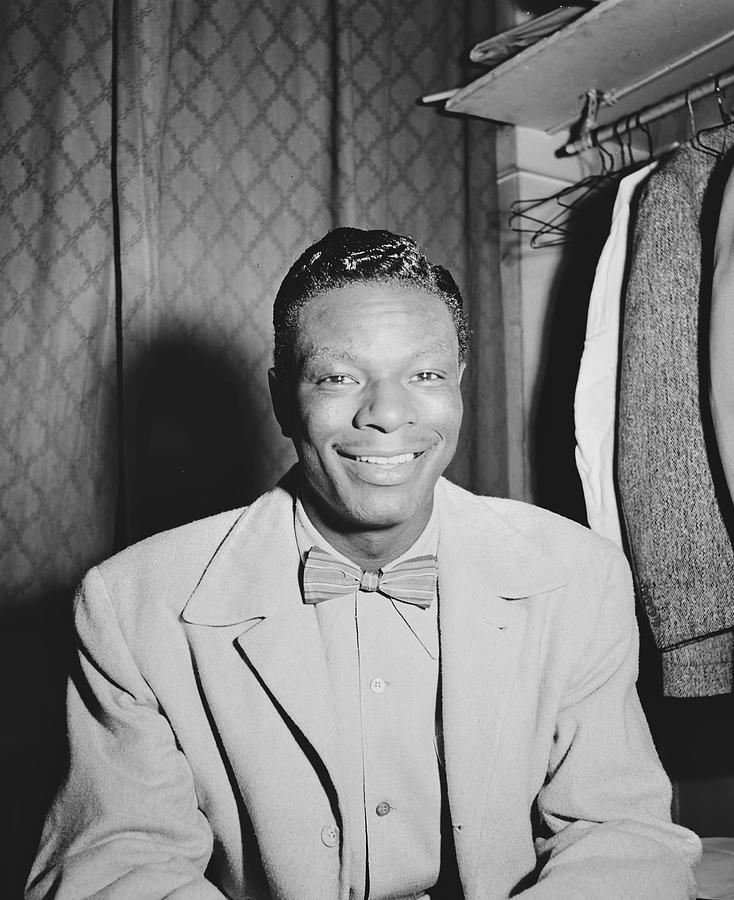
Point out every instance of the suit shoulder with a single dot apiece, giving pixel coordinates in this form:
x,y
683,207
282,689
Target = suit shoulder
x,y
555,532
174,559
557,535
538,520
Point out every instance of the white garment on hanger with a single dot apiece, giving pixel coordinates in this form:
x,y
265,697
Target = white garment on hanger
x,y
721,338
595,403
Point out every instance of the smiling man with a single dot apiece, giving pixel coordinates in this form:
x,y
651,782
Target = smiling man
x,y
370,683
369,392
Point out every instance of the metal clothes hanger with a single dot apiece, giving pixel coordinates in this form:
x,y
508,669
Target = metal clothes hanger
x,y
554,230
550,226
644,127
697,142
726,119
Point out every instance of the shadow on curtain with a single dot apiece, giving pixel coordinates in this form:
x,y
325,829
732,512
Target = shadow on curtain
x,y
162,165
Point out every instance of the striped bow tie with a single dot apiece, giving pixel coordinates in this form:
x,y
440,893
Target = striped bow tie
x,y
412,581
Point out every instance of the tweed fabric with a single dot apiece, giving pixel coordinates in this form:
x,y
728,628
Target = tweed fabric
x,y
680,550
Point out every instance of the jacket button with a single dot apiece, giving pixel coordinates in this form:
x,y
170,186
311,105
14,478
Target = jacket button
x,y
383,808
378,685
330,835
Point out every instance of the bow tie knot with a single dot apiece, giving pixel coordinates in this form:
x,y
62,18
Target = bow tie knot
x,y
411,581
370,581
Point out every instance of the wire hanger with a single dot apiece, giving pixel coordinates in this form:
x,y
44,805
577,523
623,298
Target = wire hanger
x,y
555,229
551,225
559,223
696,132
644,127
552,220
698,142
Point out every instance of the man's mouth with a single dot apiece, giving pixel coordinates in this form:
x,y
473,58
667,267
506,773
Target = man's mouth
x,y
386,462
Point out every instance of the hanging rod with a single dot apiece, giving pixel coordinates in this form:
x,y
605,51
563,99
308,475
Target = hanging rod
x,y
591,137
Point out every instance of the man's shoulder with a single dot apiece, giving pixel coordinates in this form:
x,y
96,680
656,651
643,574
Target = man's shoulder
x,y
177,556
559,569
554,534
166,568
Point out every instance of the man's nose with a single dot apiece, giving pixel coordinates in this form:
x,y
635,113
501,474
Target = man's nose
x,y
386,406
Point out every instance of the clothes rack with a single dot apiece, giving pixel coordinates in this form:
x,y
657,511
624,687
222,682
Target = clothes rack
x,y
593,136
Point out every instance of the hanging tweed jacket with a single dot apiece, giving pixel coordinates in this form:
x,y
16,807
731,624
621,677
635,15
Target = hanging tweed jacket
x,y
680,548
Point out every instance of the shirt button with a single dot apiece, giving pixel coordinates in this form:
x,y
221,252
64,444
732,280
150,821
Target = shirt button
x,y
383,808
378,685
330,835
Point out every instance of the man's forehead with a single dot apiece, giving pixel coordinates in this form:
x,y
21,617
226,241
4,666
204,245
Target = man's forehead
x,y
374,323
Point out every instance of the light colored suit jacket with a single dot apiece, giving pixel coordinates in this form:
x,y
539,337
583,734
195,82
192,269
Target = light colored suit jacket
x,y
204,747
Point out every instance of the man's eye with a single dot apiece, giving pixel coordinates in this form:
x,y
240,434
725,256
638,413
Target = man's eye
x,y
337,379
426,376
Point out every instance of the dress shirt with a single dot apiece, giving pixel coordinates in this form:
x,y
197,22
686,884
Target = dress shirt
x,y
595,403
382,660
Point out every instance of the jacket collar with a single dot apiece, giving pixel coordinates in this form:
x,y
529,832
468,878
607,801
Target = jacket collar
x,y
254,571
515,563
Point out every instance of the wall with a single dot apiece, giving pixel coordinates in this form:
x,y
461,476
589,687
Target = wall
x,y
545,294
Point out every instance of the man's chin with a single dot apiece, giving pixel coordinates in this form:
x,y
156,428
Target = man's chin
x,y
386,512
349,504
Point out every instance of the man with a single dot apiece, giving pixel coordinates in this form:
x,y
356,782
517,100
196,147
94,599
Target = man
x,y
293,701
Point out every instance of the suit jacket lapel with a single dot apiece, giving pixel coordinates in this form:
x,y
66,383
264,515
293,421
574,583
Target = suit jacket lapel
x,y
484,568
252,582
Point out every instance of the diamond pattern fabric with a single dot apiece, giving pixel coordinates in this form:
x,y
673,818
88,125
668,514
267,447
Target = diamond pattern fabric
x,y
57,330
243,132
244,135
159,175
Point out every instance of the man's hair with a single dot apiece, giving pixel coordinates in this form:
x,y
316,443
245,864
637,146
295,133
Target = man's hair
x,y
347,256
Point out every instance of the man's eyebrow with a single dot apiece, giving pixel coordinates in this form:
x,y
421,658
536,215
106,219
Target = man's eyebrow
x,y
327,353
335,353
440,347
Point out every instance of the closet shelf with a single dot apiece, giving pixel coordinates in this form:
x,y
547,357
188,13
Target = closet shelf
x,y
638,51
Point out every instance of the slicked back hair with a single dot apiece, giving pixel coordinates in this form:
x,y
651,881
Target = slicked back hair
x,y
347,256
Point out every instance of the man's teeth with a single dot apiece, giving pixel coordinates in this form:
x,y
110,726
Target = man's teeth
x,y
387,460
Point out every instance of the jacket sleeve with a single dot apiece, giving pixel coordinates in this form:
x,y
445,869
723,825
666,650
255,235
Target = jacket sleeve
x,y
126,822
605,804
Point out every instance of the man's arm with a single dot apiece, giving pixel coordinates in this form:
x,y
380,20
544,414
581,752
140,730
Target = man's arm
x,y
126,822
606,801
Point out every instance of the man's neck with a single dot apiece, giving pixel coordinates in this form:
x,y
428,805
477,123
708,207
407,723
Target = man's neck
x,y
370,549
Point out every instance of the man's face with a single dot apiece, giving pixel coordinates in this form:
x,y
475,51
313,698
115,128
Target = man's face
x,y
375,409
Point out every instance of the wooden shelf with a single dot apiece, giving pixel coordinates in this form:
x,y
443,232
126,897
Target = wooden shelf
x,y
641,50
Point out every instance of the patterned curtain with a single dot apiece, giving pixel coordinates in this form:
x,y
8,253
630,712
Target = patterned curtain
x,y
162,164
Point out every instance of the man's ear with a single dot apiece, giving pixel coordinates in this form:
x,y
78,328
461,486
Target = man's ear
x,y
462,369
282,401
